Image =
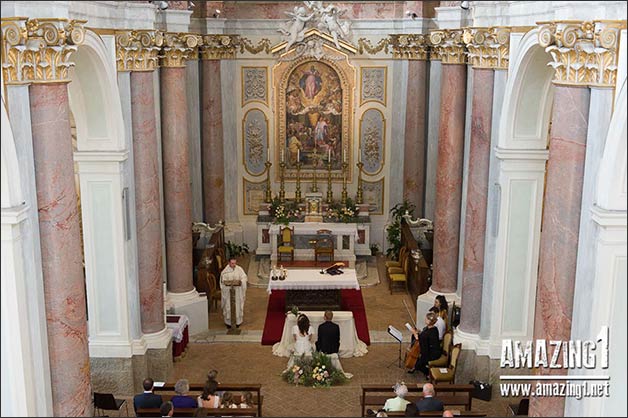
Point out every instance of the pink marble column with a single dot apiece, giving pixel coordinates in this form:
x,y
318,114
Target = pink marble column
x,y
61,249
213,154
176,172
449,178
477,194
414,147
147,209
560,227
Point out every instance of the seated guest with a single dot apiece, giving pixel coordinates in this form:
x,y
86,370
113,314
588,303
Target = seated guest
x,y
430,346
429,403
180,400
166,409
227,401
443,308
399,402
247,400
411,410
147,399
448,413
209,398
440,323
328,341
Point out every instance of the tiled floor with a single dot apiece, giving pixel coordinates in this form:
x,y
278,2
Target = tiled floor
x,y
242,359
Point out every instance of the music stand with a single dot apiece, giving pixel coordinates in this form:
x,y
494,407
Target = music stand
x,y
397,335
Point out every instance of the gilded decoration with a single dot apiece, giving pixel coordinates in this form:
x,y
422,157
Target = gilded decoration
x,y
38,50
217,47
488,47
372,141
584,53
314,104
365,46
138,50
178,48
447,46
373,85
254,85
373,194
253,193
409,46
255,141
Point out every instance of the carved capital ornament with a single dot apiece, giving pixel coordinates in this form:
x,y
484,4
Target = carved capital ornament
x,y
217,47
138,50
178,48
448,47
584,53
488,47
411,47
39,50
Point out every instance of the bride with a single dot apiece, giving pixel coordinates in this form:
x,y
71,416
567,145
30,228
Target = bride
x,y
302,333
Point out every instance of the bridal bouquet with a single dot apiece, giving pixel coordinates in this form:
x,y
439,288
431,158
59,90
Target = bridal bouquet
x,y
315,371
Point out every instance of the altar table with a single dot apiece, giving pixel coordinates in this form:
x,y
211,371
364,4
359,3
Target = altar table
x,y
350,344
312,279
180,334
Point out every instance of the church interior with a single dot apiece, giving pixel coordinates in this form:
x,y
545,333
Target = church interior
x,y
190,187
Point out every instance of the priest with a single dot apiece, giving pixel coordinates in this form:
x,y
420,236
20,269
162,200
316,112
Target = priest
x,y
233,275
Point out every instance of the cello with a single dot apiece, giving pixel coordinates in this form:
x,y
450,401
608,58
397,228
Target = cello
x,y
414,350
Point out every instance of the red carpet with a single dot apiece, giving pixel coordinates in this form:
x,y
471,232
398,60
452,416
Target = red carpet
x,y
276,315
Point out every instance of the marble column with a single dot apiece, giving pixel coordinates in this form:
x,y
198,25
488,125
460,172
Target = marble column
x,y
212,143
176,169
560,226
61,250
477,194
415,141
449,178
147,209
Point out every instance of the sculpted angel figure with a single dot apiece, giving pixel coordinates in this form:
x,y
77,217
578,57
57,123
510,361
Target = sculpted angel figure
x,y
294,30
329,20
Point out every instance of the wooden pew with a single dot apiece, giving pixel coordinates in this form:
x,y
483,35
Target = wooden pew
x,y
201,412
374,395
438,414
197,388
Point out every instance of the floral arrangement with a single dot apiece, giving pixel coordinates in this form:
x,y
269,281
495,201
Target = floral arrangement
x,y
294,310
346,213
315,371
284,212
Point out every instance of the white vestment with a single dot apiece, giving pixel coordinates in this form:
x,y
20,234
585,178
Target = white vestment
x,y
228,274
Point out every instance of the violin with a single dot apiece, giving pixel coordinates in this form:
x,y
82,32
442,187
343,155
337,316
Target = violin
x,y
413,351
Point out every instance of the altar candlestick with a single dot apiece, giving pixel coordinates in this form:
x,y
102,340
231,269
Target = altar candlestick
x,y
344,156
329,154
282,160
268,154
298,154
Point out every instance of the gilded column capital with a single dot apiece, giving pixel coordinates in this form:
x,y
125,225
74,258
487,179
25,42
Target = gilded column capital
x,y
584,53
178,48
38,50
217,47
488,47
138,50
447,46
409,46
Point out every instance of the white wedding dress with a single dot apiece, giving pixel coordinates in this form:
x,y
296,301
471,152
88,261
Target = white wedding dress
x,y
302,345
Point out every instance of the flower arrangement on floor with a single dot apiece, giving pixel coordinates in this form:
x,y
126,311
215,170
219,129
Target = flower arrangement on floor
x,y
346,213
284,213
315,371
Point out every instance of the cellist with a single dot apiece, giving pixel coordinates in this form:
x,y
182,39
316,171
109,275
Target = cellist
x,y
429,344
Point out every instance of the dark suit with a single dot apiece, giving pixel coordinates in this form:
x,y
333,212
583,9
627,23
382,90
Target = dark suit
x,y
430,348
146,400
429,404
328,338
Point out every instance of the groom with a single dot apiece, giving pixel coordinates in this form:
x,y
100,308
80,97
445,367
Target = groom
x,y
328,341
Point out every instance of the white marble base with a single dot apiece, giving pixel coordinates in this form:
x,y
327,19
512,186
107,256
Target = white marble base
x,y
157,340
425,301
194,306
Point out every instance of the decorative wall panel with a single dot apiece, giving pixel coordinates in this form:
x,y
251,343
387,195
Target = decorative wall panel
x,y
372,141
373,192
254,85
255,141
253,196
373,85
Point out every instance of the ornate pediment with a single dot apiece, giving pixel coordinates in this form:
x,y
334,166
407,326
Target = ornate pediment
x,y
312,45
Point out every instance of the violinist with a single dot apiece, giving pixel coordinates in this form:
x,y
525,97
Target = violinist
x,y
429,344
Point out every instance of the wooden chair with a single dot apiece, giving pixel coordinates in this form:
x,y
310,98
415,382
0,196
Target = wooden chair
x,y
397,263
107,402
448,376
208,283
286,245
444,358
399,279
324,246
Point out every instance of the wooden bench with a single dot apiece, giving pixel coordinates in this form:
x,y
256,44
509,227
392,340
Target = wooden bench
x,y
374,396
201,412
197,388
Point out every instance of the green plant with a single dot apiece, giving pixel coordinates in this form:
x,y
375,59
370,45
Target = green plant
x,y
314,371
374,249
294,310
235,250
284,212
346,213
393,231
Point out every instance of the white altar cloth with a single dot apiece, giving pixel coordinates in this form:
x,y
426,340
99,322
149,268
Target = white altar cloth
x,y
350,344
306,228
312,279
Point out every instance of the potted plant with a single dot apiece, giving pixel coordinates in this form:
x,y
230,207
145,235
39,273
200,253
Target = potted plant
x,y
235,250
393,231
374,249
